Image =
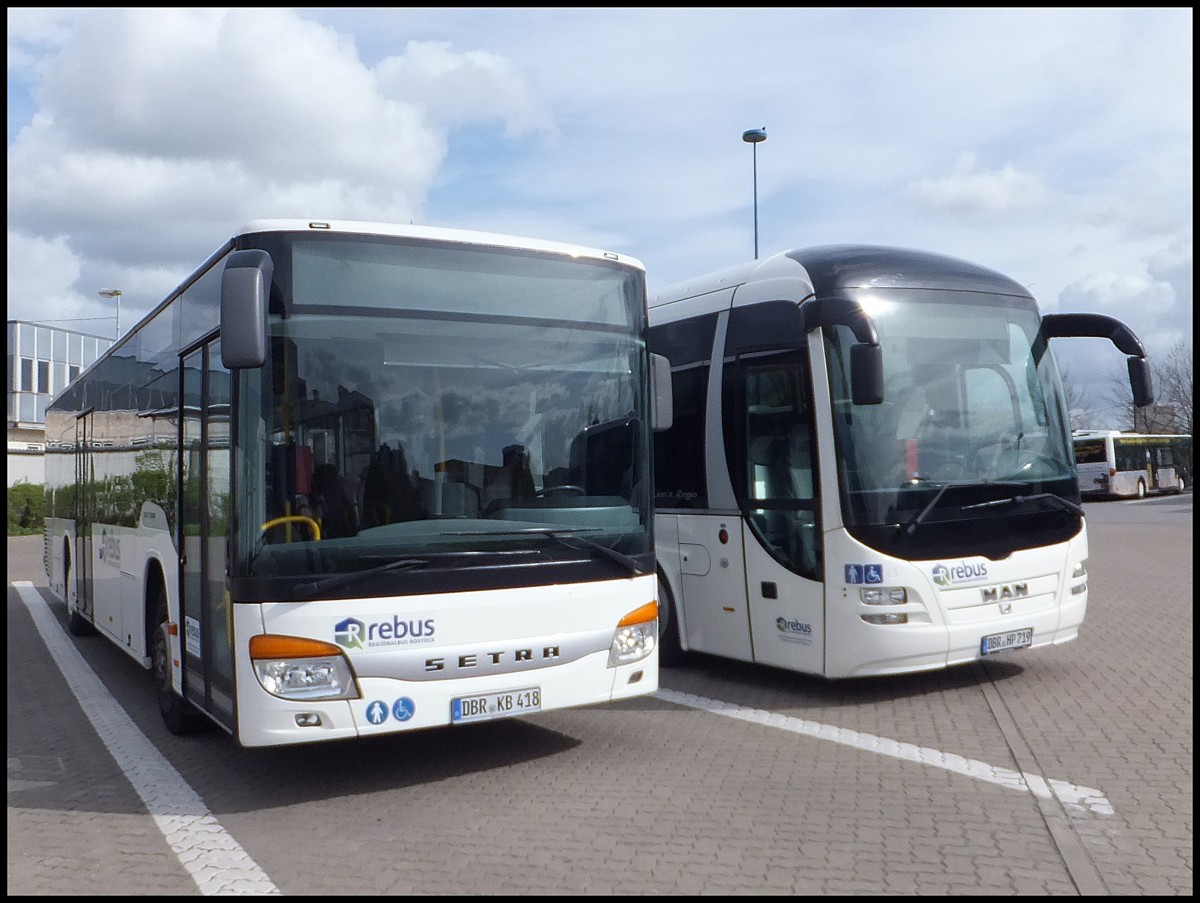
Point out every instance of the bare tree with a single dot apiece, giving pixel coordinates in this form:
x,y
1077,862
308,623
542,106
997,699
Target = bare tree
x,y
1174,377
1082,415
1119,396
1172,411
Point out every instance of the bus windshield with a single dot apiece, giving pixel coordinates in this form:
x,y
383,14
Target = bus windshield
x,y
448,407
972,410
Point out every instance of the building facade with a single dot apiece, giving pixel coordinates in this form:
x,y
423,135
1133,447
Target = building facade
x,y
42,361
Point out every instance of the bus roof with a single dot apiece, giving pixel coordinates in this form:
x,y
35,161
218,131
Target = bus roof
x,y
831,269
436,233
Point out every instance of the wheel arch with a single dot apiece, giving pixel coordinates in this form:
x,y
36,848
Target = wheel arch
x,y
155,588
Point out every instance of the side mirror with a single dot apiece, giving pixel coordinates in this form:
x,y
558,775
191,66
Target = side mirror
x,y
1106,327
866,356
662,403
245,292
1140,382
866,374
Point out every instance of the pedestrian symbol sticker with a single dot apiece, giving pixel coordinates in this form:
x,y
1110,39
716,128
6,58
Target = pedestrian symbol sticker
x,y
377,712
404,708
864,573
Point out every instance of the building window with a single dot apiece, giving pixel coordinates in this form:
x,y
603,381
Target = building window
x,y
26,375
43,371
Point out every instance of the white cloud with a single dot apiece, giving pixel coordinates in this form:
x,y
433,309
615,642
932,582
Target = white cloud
x,y
971,191
1114,291
1054,145
158,132
458,87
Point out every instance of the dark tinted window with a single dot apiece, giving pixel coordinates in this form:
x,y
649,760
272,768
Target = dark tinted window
x,y
679,471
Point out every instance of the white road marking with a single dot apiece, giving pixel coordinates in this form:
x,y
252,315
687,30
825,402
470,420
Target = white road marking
x,y
216,862
1076,798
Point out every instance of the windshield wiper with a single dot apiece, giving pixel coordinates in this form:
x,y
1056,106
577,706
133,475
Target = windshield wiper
x,y
339,580
1012,500
572,540
911,527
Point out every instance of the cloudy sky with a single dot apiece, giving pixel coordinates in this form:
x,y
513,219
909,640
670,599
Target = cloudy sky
x,y
1054,145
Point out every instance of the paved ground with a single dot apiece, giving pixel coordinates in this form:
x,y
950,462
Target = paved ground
x,y
1061,772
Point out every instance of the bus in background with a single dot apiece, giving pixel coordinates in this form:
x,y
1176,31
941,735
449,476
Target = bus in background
x,y
1131,465
870,466
353,478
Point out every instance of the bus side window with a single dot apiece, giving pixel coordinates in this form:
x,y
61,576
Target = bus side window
x,y
800,461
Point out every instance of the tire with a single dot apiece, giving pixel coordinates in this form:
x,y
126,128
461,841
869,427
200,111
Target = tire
x,y
180,717
1141,490
1180,485
671,653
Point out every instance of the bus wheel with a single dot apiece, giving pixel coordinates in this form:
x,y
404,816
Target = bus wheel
x,y
1141,490
670,651
178,714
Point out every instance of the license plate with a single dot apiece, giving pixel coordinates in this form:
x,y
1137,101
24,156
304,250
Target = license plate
x,y
484,706
1002,642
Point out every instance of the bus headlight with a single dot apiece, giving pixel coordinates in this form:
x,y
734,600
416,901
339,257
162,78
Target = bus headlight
x,y
884,595
302,669
635,637
1079,579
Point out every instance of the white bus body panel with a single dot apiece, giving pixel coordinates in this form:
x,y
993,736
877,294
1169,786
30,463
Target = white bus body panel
x,y
121,559
789,630
1093,478
453,628
713,585
952,605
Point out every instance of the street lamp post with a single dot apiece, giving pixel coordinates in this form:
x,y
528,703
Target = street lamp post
x,y
753,137
116,293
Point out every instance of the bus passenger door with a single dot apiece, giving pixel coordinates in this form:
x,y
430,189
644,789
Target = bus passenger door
x,y
778,493
204,466
714,590
84,513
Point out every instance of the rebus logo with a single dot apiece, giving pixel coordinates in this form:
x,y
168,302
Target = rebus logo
x,y
354,634
786,626
947,575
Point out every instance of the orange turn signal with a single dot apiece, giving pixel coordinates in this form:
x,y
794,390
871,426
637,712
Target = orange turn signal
x,y
648,612
271,646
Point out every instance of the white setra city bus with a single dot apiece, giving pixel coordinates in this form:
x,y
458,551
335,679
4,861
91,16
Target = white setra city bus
x,y
352,478
870,467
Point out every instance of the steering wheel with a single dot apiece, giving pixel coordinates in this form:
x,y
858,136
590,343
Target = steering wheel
x,y
564,489
294,519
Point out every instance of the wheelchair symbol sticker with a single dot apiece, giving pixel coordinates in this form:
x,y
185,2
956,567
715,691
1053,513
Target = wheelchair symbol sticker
x,y
864,573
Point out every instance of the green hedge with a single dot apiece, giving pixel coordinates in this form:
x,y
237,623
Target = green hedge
x,y
26,508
